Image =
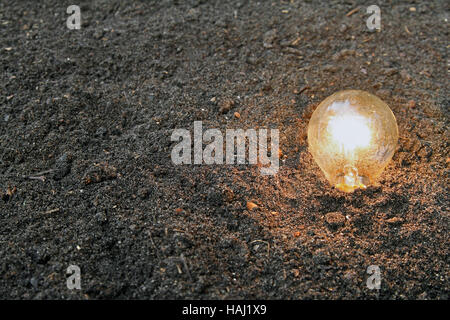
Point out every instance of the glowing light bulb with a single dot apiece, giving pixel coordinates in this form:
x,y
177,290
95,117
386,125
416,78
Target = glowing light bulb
x,y
352,135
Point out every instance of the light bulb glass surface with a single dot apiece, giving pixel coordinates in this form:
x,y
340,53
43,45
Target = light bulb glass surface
x,y
352,135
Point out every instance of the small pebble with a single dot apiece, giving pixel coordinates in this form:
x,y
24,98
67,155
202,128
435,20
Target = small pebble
x,y
228,195
251,205
343,54
226,105
62,165
405,76
394,220
269,38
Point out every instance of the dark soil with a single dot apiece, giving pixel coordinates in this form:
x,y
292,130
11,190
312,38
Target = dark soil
x,y
86,176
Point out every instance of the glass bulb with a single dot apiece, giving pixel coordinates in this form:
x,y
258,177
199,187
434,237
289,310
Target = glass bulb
x,y
352,135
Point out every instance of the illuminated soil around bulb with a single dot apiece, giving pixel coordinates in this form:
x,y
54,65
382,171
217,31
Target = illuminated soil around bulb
x,y
98,106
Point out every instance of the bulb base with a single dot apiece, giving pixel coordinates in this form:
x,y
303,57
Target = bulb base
x,y
349,188
350,180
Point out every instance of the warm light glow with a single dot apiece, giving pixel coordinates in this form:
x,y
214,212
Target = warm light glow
x,y
352,135
347,128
